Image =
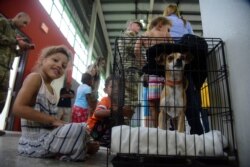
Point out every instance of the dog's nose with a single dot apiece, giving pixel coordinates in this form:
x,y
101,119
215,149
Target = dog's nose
x,y
178,63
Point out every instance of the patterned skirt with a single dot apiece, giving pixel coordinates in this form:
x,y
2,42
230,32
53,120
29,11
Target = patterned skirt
x,y
79,114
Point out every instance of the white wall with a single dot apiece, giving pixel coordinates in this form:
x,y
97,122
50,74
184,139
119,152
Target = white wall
x,y
230,21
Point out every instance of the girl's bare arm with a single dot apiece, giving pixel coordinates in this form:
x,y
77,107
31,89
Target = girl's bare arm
x,y
102,113
25,100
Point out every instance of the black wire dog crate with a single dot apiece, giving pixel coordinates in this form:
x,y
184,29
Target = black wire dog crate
x,y
208,136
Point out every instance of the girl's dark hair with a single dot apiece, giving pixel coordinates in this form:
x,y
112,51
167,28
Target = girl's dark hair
x,y
113,78
86,78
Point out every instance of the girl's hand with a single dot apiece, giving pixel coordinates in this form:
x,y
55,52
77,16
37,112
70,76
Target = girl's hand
x,y
58,122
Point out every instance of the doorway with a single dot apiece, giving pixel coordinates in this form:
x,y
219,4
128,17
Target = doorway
x,y
5,112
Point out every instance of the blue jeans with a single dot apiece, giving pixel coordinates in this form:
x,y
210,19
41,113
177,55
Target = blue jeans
x,y
145,102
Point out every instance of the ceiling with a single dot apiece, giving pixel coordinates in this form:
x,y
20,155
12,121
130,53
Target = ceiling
x,y
113,16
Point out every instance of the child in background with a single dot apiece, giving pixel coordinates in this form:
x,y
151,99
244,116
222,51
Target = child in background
x,y
99,123
158,32
83,106
43,135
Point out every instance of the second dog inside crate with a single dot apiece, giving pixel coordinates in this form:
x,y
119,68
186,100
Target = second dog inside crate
x,y
212,102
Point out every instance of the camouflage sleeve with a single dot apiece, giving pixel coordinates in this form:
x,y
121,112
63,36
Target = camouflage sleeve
x,y
120,44
120,49
5,38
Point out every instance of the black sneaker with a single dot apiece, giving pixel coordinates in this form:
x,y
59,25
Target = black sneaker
x,y
2,133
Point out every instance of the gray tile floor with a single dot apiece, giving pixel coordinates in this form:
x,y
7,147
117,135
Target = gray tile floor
x,y
9,157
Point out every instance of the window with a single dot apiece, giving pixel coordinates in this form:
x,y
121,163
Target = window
x,y
56,16
47,5
64,22
59,14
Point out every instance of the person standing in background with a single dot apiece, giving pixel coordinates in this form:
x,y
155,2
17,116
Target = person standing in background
x,y
180,26
10,46
64,104
153,77
94,70
196,71
83,107
126,45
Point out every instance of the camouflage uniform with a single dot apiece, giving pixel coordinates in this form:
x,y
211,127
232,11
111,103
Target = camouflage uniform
x,y
130,67
8,52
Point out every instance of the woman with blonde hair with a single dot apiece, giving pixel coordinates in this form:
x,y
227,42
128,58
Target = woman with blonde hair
x,y
180,26
95,71
196,71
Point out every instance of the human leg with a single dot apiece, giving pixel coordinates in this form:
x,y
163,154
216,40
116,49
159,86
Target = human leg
x,y
147,115
131,94
60,112
193,108
4,85
154,91
154,109
69,141
204,116
67,114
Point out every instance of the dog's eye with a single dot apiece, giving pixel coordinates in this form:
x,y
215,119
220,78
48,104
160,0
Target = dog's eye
x,y
182,57
170,58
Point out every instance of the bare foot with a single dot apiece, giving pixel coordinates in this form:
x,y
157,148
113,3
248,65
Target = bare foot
x,y
2,133
93,147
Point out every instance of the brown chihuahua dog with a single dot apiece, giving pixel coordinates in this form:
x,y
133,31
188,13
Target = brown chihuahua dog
x,y
173,95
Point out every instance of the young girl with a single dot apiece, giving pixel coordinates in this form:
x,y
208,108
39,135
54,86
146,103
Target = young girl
x,y
154,74
43,135
83,106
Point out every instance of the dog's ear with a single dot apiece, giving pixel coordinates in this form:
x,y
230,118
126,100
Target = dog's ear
x,y
188,57
161,59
